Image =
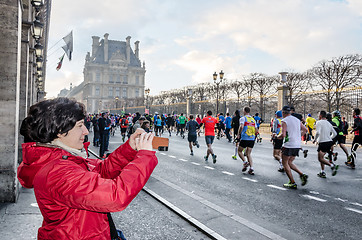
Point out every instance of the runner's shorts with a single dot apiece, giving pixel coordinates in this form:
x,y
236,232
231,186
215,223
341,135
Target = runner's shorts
x,y
209,139
192,138
290,151
324,146
278,143
123,130
339,139
246,143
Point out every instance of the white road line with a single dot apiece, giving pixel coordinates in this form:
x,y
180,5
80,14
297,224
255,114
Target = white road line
x,y
277,187
314,198
314,192
209,167
195,163
340,199
249,179
357,204
163,153
184,160
172,156
228,173
354,210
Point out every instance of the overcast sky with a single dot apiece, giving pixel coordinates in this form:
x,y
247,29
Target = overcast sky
x,y
184,42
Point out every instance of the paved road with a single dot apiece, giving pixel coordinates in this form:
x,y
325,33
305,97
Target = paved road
x,y
239,206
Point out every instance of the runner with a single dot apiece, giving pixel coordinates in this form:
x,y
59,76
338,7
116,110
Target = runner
x,y
357,140
324,135
247,133
258,121
220,126
292,130
124,126
198,120
158,124
300,117
191,127
277,143
209,123
228,127
340,139
235,123
310,122
169,123
182,123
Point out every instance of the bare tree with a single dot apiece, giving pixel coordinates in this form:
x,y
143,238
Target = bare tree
x,y
334,75
298,84
238,88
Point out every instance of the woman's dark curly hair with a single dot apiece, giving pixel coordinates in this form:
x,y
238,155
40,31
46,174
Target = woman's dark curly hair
x,y
49,118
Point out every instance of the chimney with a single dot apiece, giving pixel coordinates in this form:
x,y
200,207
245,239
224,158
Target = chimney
x,y
95,45
128,49
106,47
136,49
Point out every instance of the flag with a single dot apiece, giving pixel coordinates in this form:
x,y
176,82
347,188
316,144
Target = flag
x,y
68,48
60,62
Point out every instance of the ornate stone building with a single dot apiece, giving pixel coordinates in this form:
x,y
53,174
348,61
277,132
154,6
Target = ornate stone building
x,y
114,77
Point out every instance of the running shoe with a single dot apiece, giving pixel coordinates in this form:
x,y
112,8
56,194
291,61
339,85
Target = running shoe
x,y
305,152
245,166
197,144
281,169
206,159
251,171
322,175
192,153
290,185
214,159
234,157
335,156
334,170
304,179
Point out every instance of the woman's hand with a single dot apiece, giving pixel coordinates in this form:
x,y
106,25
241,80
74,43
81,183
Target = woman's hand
x,y
140,140
144,142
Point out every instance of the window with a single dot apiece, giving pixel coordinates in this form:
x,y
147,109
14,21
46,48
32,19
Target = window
x,y
125,79
118,79
124,92
137,92
117,92
137,80
98,77
97,91
110,91
110,78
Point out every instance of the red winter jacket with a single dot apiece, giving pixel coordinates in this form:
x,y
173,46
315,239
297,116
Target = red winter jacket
x,y
74,194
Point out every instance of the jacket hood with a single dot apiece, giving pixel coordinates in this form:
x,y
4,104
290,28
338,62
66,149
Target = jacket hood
x,y
35,157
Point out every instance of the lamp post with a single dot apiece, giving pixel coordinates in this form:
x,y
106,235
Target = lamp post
x,y
282,90
147,92
37,29
38,49
116,98
217,82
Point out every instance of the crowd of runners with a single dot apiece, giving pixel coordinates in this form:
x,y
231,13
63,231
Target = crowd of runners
x,y
288,131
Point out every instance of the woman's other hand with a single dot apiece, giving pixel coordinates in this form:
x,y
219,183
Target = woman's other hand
x,y
144,142
132,138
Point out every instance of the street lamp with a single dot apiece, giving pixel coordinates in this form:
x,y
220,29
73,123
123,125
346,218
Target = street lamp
x,y
39,61
217,82
37,29
147,92
38,49
116,98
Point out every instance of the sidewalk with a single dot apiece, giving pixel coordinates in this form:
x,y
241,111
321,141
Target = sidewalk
x,y
20,220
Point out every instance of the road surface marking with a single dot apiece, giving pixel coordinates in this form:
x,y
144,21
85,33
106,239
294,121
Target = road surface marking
x,y
223,211
314,198
277,187
163,153
195,163
357,204
354,210
314,192
249,179
172,156
228,173
184,160
34,205
340,199
209,167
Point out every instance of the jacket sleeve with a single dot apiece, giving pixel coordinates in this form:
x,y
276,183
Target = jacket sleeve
x,y
72,186
116,161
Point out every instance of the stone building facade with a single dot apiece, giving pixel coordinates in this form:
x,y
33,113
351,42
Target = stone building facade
x,y
114,77
22,76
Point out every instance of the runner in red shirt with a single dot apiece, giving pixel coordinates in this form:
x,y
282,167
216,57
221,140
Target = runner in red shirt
x,y
209,123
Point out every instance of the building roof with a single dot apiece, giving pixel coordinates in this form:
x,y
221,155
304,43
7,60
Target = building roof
x,y
113,47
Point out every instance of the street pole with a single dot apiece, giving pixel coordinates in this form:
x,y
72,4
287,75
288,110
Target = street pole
x,y
217,82
282,90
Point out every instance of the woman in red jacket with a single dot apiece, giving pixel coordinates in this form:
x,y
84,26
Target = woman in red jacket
x,y
75,193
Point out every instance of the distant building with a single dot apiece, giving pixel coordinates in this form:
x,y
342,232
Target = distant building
x,y
114,77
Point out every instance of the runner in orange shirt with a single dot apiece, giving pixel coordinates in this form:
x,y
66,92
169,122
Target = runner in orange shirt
x,y
209,122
